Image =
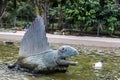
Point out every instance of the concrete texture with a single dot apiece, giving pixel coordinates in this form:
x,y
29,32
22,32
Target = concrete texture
x,y
78,40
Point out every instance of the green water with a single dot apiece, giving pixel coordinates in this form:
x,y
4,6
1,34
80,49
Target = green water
x,y
83,71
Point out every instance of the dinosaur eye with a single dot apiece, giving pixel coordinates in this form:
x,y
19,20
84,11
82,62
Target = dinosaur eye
x,y
63,49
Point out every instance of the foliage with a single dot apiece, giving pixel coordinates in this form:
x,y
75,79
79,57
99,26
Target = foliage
x,y
84,15
22,10
91,13
111,17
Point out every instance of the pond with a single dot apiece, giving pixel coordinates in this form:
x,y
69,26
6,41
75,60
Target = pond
x,y
83,71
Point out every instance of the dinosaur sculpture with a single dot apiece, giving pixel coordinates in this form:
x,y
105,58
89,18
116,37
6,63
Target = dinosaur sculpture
x,y
36,55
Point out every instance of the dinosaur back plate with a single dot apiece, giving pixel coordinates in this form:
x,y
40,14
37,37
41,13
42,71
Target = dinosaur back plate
x,y
34,41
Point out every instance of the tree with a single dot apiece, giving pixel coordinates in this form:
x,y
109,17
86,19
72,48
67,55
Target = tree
x,y
18,11
3,5
117,1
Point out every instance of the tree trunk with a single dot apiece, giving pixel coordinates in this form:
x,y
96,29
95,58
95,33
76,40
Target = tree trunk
x,y
61,17
15,21
40,5
46,13
15,14
117,1
3,5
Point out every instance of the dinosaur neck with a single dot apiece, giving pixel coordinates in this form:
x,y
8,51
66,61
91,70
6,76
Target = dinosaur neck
x,y
58,54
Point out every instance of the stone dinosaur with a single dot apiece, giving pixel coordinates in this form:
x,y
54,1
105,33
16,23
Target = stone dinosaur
x,y
36,55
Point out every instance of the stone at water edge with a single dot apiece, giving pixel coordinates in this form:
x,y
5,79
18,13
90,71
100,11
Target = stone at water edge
x,y
98,65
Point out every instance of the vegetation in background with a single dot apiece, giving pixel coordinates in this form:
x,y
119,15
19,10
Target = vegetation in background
x,y
96,16
90,15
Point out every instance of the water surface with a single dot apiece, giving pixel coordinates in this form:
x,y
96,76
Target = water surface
x,y
83,71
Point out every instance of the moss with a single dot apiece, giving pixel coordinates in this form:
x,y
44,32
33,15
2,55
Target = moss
x,y
84,70
8,52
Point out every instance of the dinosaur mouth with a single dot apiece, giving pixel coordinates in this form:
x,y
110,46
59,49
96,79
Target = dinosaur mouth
x,y
68,62
63,58
64,67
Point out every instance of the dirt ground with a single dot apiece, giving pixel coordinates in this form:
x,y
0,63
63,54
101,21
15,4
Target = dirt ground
x,y
77,40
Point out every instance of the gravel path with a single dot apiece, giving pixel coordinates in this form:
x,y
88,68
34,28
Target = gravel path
x,y
78,40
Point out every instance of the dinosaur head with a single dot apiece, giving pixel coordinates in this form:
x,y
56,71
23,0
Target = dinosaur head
x,y
66,52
